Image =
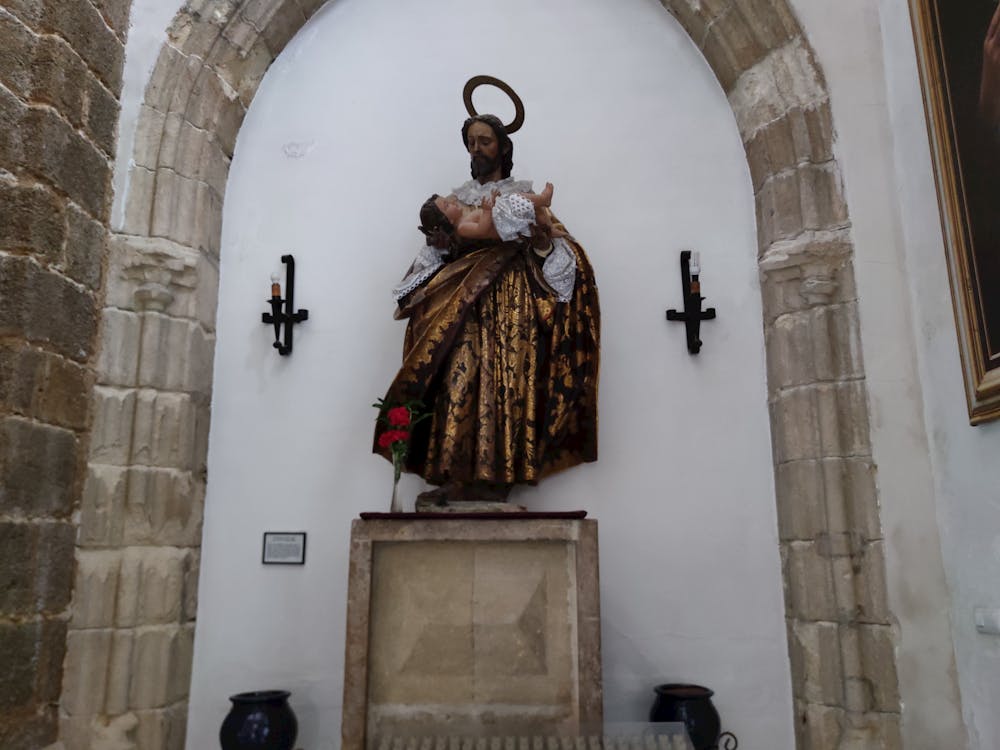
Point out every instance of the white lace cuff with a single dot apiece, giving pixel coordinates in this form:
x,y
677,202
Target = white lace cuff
x,y
559,269
426,264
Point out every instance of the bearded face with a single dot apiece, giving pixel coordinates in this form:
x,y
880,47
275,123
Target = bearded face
x,y
484,149
483,166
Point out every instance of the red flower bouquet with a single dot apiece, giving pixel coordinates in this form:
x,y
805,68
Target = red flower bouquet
x,y
397,440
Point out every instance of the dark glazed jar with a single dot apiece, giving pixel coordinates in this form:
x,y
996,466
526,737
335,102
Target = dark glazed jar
x,y
260,720
691,704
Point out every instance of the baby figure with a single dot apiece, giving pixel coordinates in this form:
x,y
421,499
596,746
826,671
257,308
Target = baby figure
x,y
501,216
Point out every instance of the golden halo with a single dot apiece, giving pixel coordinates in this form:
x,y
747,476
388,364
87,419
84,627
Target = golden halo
x,y
476,81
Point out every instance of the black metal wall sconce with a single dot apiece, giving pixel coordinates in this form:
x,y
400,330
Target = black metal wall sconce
x,y
284,321
691,289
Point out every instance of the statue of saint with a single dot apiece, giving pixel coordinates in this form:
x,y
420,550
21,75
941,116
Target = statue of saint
x,y
502,343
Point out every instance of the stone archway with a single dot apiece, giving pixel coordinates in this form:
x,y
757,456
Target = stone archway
x,y
130,642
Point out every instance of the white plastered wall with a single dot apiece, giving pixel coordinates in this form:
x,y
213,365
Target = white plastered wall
x,y
966,472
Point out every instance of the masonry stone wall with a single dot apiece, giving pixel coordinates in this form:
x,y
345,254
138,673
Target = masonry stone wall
x,y
60,80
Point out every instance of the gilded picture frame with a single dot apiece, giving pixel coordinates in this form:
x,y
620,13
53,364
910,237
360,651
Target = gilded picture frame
x,y
958,49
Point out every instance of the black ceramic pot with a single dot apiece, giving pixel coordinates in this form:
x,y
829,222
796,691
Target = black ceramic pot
x,y
261,720
691,704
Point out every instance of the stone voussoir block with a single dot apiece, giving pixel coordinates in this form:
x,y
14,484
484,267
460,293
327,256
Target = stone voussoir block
x,y
207,293
59,77
153,653
139,200
110,433
730,46
31,731
283,24
149,134
872,592
799,486
176,207
822,196
261,12
839,327
208,227
176,354
120,676
181,663
116,14
208,95
779,210
827,496
770,22
812,132
33,218
800,137
795,425
16,54
309,7
61,156
240,31
86,671
809,580
151,586
31,658
97,576
102,116
40,385
842,410
102,511
821,421
86,241
13,112
162,728
39,467
192,571
816,663
694,15
36,568
80,24
192,35
164,507
818,727
118,360
791,351
783,80
820,344
164,429
46,308
169,73
784,290
193,153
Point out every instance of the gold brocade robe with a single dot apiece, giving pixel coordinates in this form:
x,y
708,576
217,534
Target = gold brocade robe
x,y
508,372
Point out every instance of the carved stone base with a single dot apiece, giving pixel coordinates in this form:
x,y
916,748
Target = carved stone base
x,y
468,626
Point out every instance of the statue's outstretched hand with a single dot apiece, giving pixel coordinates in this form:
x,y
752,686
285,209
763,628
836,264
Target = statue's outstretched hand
x,y
541,236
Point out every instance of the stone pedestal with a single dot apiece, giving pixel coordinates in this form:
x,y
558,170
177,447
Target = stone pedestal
x,y
472,626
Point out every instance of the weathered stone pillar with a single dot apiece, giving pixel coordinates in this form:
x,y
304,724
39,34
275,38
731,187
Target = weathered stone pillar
x,y
131,635
60,79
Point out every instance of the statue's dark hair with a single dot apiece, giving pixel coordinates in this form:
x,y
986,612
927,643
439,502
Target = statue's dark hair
x,y
503,140
434,224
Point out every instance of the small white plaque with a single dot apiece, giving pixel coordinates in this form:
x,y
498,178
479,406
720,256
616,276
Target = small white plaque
x,y
284,548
